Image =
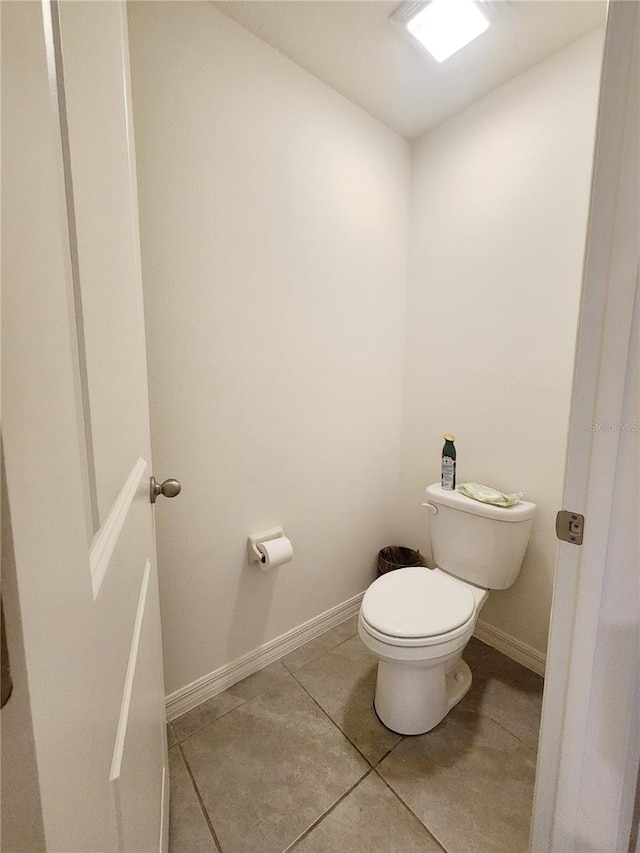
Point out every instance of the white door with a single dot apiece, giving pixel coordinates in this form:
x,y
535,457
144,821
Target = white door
x,y
589,752
76,428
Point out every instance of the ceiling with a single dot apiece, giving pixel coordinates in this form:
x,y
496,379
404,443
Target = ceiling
x,y
351,46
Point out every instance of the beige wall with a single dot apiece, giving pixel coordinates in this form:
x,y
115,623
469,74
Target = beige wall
x,y
275,221
274,218
499,208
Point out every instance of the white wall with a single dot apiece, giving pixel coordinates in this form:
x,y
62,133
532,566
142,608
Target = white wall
x,y
499,207
274,219
274,227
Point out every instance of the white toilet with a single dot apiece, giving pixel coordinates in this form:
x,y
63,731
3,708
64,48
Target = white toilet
x,y
417,621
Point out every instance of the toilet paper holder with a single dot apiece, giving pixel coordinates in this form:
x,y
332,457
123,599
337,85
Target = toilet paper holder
x,y
257,538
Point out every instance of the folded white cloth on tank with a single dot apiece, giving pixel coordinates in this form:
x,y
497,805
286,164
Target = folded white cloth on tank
x,y
487,495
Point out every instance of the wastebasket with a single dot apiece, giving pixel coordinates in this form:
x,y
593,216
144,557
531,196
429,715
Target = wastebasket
x,y
397,557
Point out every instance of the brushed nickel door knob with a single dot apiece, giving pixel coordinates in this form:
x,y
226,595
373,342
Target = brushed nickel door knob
x,y
169,488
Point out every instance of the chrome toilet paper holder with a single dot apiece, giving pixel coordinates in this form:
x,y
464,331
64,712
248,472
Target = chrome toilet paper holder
x,y
256,539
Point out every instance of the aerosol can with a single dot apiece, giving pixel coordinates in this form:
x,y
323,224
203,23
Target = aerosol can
x,y
448,475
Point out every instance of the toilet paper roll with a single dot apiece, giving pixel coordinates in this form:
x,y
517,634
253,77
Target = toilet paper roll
x,y
275,552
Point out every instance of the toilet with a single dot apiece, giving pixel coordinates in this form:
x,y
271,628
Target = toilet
x,y
417,621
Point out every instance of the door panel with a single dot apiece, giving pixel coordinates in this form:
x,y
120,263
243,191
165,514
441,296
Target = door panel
x,y
102,180
76,432
108,535
137,792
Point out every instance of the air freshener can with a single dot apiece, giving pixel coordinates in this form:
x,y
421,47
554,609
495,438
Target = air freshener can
x,y
448,470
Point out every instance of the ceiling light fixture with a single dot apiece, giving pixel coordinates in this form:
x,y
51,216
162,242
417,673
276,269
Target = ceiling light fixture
x,y
444,26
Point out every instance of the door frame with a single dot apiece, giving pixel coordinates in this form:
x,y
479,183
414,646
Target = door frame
x,y
575,807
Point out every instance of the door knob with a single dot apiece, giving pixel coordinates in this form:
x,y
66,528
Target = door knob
x,y
170,488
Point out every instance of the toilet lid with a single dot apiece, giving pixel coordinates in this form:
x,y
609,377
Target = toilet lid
x,y
417,602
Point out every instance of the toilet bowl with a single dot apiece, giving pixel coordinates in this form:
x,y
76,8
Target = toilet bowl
x,y
417,621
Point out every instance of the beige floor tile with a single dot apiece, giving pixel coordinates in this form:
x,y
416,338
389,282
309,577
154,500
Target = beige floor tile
x,y
469,781
370,819
188,830
254,684
219,705
318,646
475,652
171,738
342,682
506,692
268,769
204,714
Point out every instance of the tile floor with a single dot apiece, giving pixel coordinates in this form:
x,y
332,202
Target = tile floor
x,y
293,758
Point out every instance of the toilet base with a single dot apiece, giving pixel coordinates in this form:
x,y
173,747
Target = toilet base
x,y
412,700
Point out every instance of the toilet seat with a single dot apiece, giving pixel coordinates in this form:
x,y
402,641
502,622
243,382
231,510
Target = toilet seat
x,y
417,607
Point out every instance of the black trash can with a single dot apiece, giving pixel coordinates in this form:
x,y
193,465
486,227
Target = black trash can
x,y
397,557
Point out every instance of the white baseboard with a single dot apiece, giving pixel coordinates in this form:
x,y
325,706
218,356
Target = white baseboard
x,y
215,682
515,649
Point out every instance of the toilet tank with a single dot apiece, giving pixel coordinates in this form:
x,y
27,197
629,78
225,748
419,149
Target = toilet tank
x,y
478,542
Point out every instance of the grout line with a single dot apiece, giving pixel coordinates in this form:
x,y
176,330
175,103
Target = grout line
x,y
200,800
331,720
287,673
333,723
272,652
318,820
531,749
372,767
479,712
235,708
210,723
410,810
320,654
389,751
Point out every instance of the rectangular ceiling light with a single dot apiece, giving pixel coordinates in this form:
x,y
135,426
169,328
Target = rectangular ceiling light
x,y
442,26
